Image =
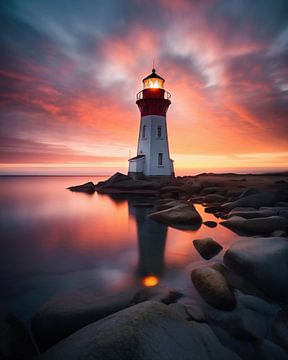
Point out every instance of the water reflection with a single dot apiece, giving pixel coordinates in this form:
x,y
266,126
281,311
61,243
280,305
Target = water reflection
x,y
151,237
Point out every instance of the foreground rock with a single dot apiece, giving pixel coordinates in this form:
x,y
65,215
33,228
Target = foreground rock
x,y
251,319
15,343
257,226
65,314
207,248
149,330
264,262
213,288
88,187
181,214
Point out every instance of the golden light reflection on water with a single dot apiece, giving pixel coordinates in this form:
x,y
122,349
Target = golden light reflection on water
x,y
150,280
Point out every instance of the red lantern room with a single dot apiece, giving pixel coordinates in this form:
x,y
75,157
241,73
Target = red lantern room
x,y
153,99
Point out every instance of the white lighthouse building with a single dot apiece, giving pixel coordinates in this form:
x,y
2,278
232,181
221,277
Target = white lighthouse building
x,y
153,158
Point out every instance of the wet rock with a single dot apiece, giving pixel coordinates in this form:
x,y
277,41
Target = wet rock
x,y
213,198
213,288
214,190
280,329
182,214
251,214
150,330
256,226
207,248
65,314
157,293
88,187
264,262
267,350
212,209
15,343
164,204
250,191
211,224
255,201
251,319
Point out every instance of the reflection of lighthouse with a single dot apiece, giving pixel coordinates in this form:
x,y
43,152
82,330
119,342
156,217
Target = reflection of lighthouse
x,y
151,241
153,158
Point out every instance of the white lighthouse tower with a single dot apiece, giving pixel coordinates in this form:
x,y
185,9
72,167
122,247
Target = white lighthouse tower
x,y
153,158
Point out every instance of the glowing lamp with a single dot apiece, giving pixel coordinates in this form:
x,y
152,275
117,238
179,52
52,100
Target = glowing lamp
x,y
150,280
153,81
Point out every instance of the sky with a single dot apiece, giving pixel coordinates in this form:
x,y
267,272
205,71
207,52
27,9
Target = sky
x,y
70,71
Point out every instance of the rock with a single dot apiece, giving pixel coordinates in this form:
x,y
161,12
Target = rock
x,y
256,226
278,233
149,330
182,214
211,224
251,319
15,343
213,288
251,214
65,314
114,179
213,198
157,293
214,190
167,204
280,329
212,209
136,184
207,248
255,201
267,350
88,187
195,313
250,191
264,262
171,188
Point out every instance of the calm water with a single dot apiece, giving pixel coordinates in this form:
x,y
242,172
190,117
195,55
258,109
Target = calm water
x,y
55,241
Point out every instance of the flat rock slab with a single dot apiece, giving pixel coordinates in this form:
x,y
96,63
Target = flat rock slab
x,y
213,288
149,330
264,262
207,248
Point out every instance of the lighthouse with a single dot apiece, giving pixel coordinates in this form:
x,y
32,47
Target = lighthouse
x,y
153,158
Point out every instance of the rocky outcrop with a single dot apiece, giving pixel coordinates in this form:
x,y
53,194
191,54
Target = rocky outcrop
x,y
182,214
15,343
255,201
256,226
88,187
264,262
213,288
207,248
149,330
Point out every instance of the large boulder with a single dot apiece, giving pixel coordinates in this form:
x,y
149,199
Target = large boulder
x,y
264,262
88,187
65,314
213,288
15,343
181,214
256,226
149,330
255,201
207,247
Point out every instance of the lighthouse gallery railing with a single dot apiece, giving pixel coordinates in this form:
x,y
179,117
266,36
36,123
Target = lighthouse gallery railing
x,y
167,95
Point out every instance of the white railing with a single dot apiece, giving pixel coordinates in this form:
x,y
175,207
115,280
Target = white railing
x,y
167,95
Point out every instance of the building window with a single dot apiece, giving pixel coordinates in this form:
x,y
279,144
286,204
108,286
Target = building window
x,y
160,159
144,131
159,131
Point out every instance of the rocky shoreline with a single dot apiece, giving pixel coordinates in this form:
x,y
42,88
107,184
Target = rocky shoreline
x,y
244,308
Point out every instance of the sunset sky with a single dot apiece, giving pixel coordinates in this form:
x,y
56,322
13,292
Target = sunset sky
x,y
70,71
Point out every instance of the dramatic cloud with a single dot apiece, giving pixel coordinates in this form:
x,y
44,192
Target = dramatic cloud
x,y
70,72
